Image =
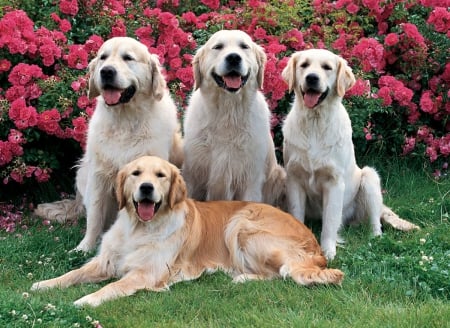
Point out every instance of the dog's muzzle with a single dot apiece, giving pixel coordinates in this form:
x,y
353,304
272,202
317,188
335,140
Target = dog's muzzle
x,y
111,94
233,80
312,95
145,205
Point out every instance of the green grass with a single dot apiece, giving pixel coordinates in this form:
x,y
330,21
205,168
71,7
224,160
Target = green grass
x,y
390,281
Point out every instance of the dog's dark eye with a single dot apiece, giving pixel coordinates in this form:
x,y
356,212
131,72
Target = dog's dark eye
x,y
136,172
244,46
327,67
304,65
218,46
103,57
160,175
127,57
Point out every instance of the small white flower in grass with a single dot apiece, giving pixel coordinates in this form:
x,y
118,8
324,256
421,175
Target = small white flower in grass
x,y
30,275
88,318
420,262
422,241
76,324
50,306
39,262
39,320
25,295
425,258
13,312
24,317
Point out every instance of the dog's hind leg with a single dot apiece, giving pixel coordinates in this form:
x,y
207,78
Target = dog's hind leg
x,y
176,155
311,271
274,191
370,203
369,200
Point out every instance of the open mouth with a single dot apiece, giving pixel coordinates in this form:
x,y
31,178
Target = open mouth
x,y
146,209
232,82
114,96
312,97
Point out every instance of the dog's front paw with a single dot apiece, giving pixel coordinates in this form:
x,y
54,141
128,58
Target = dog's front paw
x,y
41,285
89,300
84,246
329,249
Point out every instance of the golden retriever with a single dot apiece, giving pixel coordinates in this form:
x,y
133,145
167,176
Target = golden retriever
x,y
162,237
134,116
228,149
323,177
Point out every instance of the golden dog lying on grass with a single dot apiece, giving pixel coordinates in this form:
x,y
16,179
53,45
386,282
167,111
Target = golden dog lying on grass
x,y
161,237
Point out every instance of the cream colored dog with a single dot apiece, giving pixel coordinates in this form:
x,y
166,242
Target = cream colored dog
x,y
323,177
134,116
161,237
229,152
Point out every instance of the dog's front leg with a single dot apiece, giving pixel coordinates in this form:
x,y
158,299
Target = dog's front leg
x,y
101,207
333,202
296,197
90,272
253,191
128,285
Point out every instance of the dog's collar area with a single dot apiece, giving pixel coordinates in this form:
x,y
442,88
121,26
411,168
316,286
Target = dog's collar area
x,y
114,96
232,81
312,98
146,209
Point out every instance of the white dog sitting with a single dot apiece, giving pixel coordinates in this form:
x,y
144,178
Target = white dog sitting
x,y
229,152
323,179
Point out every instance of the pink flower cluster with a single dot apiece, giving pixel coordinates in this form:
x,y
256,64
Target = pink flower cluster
x,y
43,69
10,218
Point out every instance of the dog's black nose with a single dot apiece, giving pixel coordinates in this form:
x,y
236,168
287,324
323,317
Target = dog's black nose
x,y
146,188
312,79
108,73
233,59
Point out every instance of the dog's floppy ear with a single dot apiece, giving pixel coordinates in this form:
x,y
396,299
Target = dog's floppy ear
x,y
345,78
92,88
288,73
198,77
261,59
178,191
120,183
158,84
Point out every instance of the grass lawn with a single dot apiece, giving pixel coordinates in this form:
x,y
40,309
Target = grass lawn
x,y
398,280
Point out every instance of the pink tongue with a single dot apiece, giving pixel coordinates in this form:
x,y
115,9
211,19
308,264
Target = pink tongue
x,y
311,99
233,82
146,211
111,96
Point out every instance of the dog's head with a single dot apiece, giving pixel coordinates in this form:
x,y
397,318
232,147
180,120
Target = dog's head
x,y
123,69
229,60
316,75
148,186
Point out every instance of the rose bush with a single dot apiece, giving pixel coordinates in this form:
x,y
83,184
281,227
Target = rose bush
x,y
398,50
